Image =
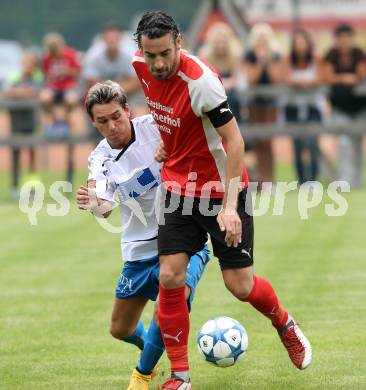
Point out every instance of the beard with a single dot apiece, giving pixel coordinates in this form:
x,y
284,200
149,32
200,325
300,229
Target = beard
x,y
162,75
167,72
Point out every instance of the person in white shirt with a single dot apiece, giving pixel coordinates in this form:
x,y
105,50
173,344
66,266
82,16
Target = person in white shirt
x,y
110,58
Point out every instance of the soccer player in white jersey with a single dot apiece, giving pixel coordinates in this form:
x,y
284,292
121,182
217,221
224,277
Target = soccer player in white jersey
x,y
206,162
123,166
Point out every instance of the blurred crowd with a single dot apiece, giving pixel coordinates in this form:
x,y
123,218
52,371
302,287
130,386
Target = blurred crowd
x,y
60,77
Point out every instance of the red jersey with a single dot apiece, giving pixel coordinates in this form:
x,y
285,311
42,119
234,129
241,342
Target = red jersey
x,y
179,106
54,69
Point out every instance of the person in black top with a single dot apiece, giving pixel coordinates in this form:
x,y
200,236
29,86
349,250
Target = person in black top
x,y
345,67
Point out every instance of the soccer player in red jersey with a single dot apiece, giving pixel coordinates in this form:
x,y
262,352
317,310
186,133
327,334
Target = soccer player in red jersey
x,y
205,190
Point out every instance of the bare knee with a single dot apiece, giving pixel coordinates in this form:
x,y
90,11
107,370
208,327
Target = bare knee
x,y
46,97
172,279
239,283
71,100
240,291
173,273
120,330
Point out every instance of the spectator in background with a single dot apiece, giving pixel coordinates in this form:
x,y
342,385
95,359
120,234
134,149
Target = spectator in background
x,y
304,106
23,84
263,65
344,68
111,60
60,97
61,71
223,51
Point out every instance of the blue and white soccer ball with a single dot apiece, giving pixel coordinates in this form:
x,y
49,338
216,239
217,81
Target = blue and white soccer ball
x,y
222,341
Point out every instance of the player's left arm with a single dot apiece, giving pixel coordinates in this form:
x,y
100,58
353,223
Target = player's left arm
x,y
225,124
210,100
228,218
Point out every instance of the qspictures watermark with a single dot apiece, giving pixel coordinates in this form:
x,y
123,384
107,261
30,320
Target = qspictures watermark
x,y
271,202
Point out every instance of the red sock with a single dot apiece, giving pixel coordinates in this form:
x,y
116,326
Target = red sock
x,y
174,324
263,297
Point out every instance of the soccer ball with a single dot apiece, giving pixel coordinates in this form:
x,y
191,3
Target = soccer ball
x,y
222,341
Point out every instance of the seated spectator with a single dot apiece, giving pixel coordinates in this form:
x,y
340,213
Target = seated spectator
x,y
223,51
23,84
60,97
305,106
344,68
61,71
263,65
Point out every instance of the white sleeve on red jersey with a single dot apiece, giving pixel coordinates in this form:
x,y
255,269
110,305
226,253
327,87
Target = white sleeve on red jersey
x,y
137,59
207,91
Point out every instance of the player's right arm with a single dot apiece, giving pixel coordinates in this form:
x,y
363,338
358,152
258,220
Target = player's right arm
x,y
87,199
98,195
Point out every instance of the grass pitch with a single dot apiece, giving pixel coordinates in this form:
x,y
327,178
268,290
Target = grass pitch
x,y
56,289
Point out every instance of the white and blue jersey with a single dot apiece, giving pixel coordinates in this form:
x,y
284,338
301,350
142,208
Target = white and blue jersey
x,y
131,176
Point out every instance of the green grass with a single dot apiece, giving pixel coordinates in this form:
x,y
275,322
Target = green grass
x,y
57,282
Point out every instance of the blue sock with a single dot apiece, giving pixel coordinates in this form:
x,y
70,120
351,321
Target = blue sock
x,y
153,349
195,269
138,336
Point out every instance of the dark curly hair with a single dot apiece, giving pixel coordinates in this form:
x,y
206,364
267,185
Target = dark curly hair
x,y
155,24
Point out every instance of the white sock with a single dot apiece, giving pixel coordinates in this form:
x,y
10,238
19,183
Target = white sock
x,y
184,375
